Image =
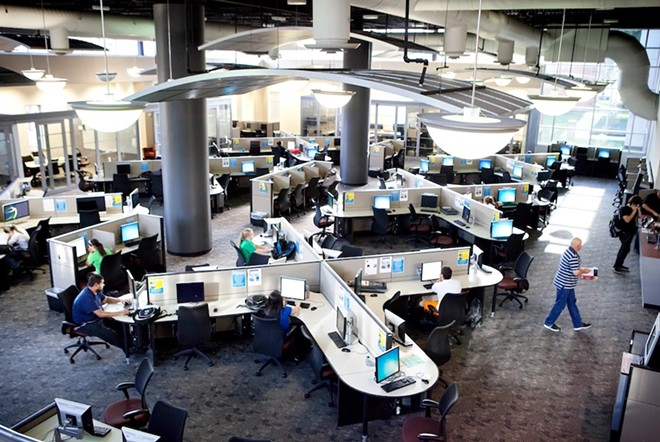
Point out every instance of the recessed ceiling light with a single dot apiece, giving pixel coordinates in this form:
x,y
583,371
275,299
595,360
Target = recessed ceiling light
x,y
370,16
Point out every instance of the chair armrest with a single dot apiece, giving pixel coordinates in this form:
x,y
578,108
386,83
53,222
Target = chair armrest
x,y
124,386
504,268
429,436
428,403
131,415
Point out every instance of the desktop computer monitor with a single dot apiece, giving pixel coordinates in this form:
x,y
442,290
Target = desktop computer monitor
x,y
466,214
134,198
91,203
124,168
602,153
430,271
293,288
651,348
331,200
485,164
129,231
357,282
311,153
550,161
396,324
74,417
429,200
423,166
448,161
16,211
501,229
132,435
81,246
387,364
517,171
382,202
189,292
247,167
565,151
341,324
506,196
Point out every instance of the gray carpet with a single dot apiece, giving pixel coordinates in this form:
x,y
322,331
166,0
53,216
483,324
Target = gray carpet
x,y
517,380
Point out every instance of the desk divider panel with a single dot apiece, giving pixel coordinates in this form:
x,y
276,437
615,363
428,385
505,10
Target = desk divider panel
x,y
304,251
435,161
363,200
311,170
482,213
232,165
480,191
297,177
378,152
530,171
137,167
460,164
262,196
66,205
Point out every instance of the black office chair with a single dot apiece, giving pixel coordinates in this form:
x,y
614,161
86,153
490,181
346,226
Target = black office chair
x,y
505,178
312,191
515,281
121,183
382,226
281,206
348,251
147,257
381,183
194,330
29,260
269,341
397,305
522,216
150,203
257,259
543,176
157,185
131,412
448,172
488,176
240,259
324,375
83,184
329,241
452,311
167,421
419,226
297,198
114,273
260,171
440,236
399,159
321,221
89,218
438,346
71,328
277,154
416,428
509,251
42,238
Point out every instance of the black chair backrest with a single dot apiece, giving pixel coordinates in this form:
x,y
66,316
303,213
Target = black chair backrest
x,y
547,195
157,185
543,175
522,264
398,160
413,212
312,189
522,216
514,246
283,201
150,203
257,259
259,171
44,234
448,172
348,251
315,357
381,184
438,347
240,259
142,377
333,189
268,336
168,422
506,177
448,399
113,272
194,324
638,183
33,244
67,297
89,218
120,183
397,305
381,221
452,309
488,176
299,195
149,253
275,150
328,242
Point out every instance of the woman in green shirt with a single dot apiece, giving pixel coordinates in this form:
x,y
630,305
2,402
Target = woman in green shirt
x,y
248,247
96,254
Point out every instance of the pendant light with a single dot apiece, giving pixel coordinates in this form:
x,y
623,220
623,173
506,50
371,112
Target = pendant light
x,y
49,83
32,73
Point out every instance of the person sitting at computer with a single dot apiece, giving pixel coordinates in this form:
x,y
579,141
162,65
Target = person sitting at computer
x,y
96,254
651,204
248,247
440,288
17,242
88,311
490,201
276,307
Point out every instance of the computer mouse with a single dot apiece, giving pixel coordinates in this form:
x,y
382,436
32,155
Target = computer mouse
x,y
313,308
346,350
215,310
373,295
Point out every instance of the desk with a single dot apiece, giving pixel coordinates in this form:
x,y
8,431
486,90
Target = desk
x,y
649,258
106,183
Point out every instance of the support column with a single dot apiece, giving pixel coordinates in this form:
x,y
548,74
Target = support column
x,y
186,207
354,162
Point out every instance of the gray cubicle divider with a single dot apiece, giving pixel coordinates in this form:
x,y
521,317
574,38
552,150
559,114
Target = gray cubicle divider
x,y
460,164
232,165
378,152
532,164
137,166
483,214
480,191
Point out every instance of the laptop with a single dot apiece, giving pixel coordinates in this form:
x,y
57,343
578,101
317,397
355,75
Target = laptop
x,y
447,210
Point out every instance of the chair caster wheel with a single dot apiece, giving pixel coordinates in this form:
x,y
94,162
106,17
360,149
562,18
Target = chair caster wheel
x,y
66,352
71,361
98,358
185,368
520,308
306,395
257,374
284,375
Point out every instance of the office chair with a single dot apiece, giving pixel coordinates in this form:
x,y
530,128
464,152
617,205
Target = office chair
x,y
194,329
451,311
297,198
42,238
549,199
150,203
399,159
240,259
120,183
448,172
167,421
71,328
89,218
516,284
418,226
83,184
257,259
397,305
157,186
312,191
440,236
416,428
322,222
505,178
131,412
522,216
543,176
509,251
147,257
381,183
269,341
113,273
281,206
382,226
437,178
438,346
332,189
348,251
277,154
29,259
488,176
324,375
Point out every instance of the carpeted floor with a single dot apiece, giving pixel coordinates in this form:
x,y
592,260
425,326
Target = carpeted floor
x,y
517,380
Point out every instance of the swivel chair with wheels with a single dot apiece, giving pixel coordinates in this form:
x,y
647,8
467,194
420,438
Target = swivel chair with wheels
x,y
114,273
324,375
438,346
419,226
147,257
194,330
269,341
515,281
440,236
382,226
131,412
509,251
29,259
297,198
397,305
451,311
89,218
425,427
281,206
322,221
121,183
240,259
167,421
312,191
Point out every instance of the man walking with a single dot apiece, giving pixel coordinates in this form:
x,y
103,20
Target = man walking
x,y
565,282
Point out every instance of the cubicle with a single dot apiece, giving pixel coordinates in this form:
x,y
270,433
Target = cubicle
x,y
379,152
217,166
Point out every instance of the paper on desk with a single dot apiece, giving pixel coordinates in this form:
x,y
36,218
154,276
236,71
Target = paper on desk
x,y
412,360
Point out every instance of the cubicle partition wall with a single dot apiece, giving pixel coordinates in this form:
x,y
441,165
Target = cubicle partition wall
x,y
461,165
529,170
379,152
217,166
480,191
482,214
304,251
137,167
64,263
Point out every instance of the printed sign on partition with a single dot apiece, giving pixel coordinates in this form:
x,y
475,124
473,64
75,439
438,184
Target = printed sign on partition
x,y
254,277
60,205
225,162
262,188
370,266
403,195
382,339
398,265
349,198
385,264
463,257
155,286
238,279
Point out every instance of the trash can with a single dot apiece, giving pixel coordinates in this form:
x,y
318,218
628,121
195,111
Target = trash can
x,y
54,302
257,218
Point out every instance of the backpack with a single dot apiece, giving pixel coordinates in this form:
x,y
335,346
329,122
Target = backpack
x,y
284,248
616,225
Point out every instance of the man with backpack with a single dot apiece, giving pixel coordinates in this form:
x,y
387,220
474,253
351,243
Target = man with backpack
x,y
628,215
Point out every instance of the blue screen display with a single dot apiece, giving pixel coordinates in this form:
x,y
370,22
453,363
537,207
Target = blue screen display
x,y
312,152
565,151
424,165
506,195
485,164
247,167
130,231
501,229
387,364
517,171
603,154
382,201
448,161
550,161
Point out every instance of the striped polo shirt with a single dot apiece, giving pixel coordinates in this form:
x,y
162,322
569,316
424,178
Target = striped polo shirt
x,y
569,263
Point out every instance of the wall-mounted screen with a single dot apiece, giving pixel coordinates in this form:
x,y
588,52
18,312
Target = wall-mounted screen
x,y
382,201
15,211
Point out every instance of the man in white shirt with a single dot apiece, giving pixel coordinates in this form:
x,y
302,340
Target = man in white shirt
x,y
442,286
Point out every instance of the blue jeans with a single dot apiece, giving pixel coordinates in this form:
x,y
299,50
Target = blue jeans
x,y
565,297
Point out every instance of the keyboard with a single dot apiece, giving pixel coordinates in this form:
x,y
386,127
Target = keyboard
x,y
131,242
428,286
373,287
399,383
458,222
339,342
100,431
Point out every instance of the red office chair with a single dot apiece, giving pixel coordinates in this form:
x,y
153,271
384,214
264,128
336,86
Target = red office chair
x,y
516,284
131,412
418,428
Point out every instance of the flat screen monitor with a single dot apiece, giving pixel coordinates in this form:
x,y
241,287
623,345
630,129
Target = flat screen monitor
x,y
15,211
290,145
130,231
581,151
357,282
331,200
134,198
293,288
341,324
423,166
382,201
431,271
550,161
517,171
74,415
565,151
448,161
485,164
91,203
387,364
81,246
603,153
189,292
501,229
478,256
506,196
247,167
429,200
396,324
651,348
124,168
311,153
466,214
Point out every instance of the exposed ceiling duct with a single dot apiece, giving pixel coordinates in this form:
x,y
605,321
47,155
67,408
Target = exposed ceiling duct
x,y
494,5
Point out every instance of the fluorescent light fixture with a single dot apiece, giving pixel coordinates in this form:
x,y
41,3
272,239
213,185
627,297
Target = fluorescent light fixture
x,y
106,76
521,79
403,31
370,17
332,99
33,74
553,104
108,114
51,84
469,135
502,80
296,2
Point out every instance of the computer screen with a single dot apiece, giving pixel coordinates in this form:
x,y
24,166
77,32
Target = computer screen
x,y
387,364
448,161
130,231
505,196
341,324
466,214
603,154
357,282
396,324
293,288
565,151
550,161
423,165
81,246
429,200
15,211
517,171
478,255
581,151
91,203
290,145
485,164
331,200
382,201
431,271
134,198
501,229
311,153
124,168
247,167
651,346
74,415
189,292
